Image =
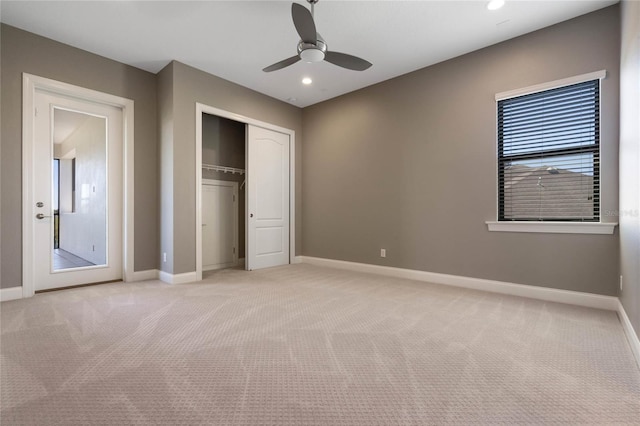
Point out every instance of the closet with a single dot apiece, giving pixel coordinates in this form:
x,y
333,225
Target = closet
x,y
223,192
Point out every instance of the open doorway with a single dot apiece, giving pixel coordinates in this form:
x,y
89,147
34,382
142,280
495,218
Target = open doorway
x,y
223,193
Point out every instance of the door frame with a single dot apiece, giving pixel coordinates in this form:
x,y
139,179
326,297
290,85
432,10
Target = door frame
x,y
206,109
30,84
236,229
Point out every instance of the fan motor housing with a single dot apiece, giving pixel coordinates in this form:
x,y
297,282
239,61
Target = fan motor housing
x,y
312,52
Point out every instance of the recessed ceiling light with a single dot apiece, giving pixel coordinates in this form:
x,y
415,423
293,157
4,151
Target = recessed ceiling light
x,y
495,4
307,80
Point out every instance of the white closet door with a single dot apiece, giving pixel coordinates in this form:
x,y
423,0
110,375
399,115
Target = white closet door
x,y
267,198
219,224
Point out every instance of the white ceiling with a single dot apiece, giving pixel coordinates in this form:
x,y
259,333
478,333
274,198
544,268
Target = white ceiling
x,y
236,39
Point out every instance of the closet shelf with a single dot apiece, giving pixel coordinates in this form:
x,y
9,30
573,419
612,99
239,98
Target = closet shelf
x,y
224,169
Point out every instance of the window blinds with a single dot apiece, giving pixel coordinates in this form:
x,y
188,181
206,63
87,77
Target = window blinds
x,y
548,154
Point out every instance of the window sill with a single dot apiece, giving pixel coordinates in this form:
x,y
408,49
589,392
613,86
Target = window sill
x,y
553,227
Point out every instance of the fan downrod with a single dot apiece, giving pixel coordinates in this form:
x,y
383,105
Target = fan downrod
x,y
312,3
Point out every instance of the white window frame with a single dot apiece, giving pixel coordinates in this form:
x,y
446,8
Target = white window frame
x,y
548,226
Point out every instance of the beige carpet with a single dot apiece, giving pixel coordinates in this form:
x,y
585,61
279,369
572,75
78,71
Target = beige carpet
x,y
300,345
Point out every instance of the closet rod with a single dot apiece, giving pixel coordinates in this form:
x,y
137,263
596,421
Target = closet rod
x,y
224,169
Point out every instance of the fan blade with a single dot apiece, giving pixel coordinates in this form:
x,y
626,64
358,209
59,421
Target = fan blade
x,y
347,61
282,64
304,24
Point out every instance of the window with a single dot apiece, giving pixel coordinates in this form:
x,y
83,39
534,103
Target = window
x,y
549,155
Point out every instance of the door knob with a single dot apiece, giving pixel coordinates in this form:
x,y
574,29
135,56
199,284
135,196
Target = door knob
x,y
41,216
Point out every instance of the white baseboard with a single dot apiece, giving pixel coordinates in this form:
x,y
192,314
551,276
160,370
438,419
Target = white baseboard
x,y
297,259
186,277
542,293
150,274
632,336
11,293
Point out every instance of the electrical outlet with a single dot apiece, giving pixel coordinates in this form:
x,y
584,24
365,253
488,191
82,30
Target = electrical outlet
x,y
383,252
621,283
164,257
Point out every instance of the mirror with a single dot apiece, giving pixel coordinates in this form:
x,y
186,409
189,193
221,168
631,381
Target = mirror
x,y
79,190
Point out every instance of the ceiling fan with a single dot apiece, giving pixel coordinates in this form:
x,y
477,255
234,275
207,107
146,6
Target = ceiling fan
x,y
312,47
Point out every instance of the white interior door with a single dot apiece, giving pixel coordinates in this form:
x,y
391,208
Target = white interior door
x,y
77,211
267,198
219,224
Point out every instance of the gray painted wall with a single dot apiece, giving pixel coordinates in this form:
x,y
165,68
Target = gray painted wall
x,y
190,86
25,52
410,165
630,161
165,121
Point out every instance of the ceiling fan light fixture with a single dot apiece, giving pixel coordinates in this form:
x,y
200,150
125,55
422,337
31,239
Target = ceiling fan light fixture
x,y
312,47
312,55
307,81
495,4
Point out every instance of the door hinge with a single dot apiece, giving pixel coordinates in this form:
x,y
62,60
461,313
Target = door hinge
x,y
35,112
234,250
234,198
